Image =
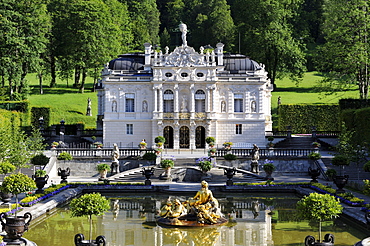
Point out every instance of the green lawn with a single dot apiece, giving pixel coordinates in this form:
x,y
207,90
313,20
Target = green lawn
x,y
67,104
290,93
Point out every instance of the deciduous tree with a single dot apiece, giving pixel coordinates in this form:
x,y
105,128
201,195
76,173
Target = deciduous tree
x,y
266,35
344,58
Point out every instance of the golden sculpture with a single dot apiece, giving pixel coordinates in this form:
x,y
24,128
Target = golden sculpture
x,y
203,208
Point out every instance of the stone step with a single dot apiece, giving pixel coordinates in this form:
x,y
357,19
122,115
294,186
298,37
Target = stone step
x,y
216,174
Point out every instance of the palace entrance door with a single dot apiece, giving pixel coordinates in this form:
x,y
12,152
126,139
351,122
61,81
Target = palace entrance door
x,y
200,137
184,137
168,135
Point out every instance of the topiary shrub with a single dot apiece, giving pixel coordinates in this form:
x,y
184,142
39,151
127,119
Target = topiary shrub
x,y
149,156
319,207
230,157
65,156
210,140
40,159
167,163
89,205
159,139
314,156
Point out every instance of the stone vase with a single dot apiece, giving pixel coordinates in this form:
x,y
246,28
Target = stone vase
x,y
80,241
340,182
40,183
14,226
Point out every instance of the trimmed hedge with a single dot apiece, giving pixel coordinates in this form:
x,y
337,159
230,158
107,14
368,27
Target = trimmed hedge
x,y
20,106
348,117
362,126
36,113
302,117
353,103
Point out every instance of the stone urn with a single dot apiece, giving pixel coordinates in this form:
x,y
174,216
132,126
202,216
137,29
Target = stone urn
x,y
147,172
6,197
80,241
340,182
229,172
103,174
328,241
14,227
64,173
314,173
40,183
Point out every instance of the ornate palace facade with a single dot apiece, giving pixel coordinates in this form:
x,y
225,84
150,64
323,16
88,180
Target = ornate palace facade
x,y
184,96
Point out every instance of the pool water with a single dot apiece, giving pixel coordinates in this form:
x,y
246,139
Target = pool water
x,y
263,219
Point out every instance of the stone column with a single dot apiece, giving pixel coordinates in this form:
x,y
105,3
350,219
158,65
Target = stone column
x,y
192,100
176,101
208,99
148,50
176,98
155,109
160,97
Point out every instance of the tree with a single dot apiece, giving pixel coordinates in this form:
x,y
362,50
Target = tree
x,y
267,36
144,17
87,34
24,26
319,207
16,147
209,22
344,58
89,205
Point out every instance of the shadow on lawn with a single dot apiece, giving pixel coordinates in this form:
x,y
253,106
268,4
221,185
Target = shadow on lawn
x,y
60,89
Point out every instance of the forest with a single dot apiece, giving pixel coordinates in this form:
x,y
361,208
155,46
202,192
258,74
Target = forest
x,y
73,39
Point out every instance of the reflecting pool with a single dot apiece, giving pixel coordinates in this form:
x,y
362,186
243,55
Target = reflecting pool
x,y
255,219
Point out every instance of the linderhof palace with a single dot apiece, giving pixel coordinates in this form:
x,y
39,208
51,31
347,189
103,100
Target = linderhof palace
x,y
185,96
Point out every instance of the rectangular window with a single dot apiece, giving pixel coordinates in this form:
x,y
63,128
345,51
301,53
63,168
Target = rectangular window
x,y
238,129
168,106
129,129
238,103
200,105
130,102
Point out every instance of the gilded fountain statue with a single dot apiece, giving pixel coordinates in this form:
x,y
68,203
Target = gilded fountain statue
x,y
201,210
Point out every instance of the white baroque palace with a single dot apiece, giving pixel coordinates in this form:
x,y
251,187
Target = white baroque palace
x,y
184,96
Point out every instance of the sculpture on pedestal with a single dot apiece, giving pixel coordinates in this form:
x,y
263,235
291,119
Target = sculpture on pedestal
x,y
255,157
115,161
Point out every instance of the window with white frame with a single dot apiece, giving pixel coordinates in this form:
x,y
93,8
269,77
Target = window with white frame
x,y
239,129
129,129
238,103
200,101
130,102
168,101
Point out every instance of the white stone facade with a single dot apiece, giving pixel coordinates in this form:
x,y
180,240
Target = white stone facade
x,y
184,96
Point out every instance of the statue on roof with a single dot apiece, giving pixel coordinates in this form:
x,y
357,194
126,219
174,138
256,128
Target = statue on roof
x,y
183,29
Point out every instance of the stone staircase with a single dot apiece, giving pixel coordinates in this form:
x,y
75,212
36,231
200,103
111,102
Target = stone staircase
x,y
296,142
186,166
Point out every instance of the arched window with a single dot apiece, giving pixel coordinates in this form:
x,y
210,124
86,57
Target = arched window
x,y
168,101
200,101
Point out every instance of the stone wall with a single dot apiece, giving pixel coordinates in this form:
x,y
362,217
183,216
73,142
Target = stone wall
x,y
287,166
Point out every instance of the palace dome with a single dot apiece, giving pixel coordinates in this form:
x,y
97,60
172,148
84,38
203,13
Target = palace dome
x,y
236,63
128,62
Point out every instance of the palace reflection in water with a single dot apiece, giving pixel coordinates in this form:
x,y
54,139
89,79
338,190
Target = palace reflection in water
x,y
259,221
